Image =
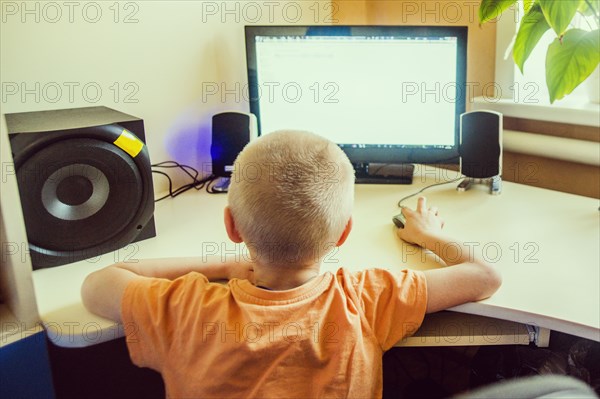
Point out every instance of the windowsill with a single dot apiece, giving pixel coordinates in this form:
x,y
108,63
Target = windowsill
x,y
571,111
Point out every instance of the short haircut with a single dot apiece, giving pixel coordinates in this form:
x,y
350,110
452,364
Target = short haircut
x,y
291,196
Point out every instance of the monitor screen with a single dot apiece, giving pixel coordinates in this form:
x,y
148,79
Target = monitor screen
x,y
384,94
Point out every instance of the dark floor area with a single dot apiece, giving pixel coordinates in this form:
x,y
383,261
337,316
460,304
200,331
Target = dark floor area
x,y
440,372
105,371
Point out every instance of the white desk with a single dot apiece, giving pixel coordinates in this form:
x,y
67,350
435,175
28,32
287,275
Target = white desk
x,y
546,243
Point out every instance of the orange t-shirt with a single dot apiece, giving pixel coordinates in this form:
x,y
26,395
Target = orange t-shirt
x,y
324,339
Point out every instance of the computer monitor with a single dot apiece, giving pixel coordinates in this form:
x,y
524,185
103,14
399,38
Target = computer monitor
x,y
384,94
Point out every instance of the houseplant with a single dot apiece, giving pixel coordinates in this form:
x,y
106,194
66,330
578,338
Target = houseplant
x,y
573,55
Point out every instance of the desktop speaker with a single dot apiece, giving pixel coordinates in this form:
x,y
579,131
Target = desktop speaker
x,y
84,181
481,144
481,149
231,131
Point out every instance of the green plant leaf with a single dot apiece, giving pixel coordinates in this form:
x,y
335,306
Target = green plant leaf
x,y
491,9
570,62
585,9
559,13
532,28
527,5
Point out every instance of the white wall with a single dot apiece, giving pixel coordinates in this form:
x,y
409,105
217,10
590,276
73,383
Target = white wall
x,y
16,284
152,59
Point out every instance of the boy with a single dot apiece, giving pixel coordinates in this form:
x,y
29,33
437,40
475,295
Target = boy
x,y
279,328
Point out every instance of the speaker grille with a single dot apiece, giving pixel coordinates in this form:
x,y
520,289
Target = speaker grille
x,y
480,144
59,172
85,182
230,133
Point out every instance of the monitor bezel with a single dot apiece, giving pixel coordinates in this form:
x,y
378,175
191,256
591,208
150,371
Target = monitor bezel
x,y
366,155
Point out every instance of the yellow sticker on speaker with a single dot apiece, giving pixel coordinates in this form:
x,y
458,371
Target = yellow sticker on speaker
x,y
129,143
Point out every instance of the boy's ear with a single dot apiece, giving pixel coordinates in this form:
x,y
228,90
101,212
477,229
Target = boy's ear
x,y
230,227
345,233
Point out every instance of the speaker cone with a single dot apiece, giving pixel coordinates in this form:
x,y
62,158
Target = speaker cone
x,y
83,193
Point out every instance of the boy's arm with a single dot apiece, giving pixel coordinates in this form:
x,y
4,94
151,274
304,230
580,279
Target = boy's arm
x,y
468,279
102,291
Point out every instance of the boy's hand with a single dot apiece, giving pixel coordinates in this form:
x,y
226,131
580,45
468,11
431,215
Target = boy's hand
x,y
420,222
468,279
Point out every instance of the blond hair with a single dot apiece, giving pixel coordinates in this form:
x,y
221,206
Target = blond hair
x,y
291,196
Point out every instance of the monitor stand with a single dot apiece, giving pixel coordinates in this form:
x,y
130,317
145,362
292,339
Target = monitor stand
x,y
383,173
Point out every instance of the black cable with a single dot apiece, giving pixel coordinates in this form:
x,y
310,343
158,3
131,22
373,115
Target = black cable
x,y
173,164
170,184
196,183
426,188
210,187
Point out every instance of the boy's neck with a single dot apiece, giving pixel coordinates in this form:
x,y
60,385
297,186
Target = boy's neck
x,y
284,277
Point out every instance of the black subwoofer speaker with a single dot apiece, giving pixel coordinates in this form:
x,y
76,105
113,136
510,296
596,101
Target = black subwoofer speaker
x,y
85,182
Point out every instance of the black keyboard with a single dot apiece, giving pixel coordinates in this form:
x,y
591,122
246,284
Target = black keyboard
x,y
374,179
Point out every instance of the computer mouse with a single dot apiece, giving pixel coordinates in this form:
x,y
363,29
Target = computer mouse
x,y
399,220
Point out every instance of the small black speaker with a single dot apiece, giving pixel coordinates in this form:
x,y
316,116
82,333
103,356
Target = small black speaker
x,y
231,131
85,182
481,148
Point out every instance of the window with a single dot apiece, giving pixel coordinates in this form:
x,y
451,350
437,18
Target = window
x,y
531,85
526,96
